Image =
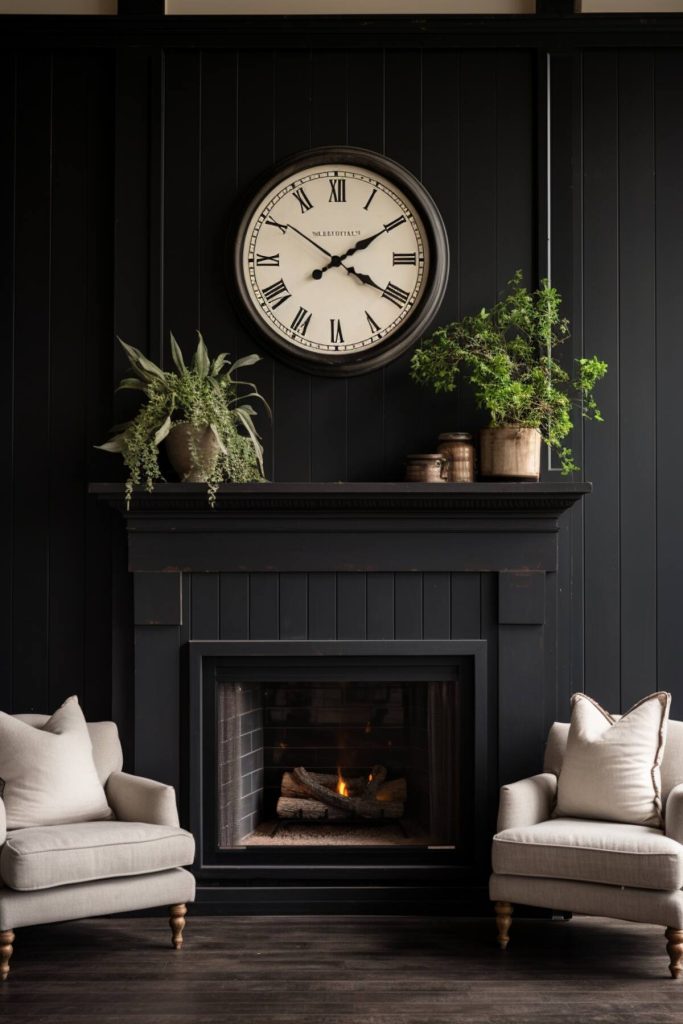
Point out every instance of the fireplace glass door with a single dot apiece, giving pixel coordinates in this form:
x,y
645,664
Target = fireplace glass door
x,y
361,758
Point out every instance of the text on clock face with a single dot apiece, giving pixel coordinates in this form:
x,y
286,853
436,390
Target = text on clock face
x,y
335,259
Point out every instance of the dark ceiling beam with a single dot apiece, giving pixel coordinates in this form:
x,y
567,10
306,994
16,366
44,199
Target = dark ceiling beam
x,y
551,8
144,8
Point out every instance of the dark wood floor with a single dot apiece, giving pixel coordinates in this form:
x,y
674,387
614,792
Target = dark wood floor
x,y
338,970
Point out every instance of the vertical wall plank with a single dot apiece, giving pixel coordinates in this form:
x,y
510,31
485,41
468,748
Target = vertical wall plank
x,y
31,428
404,429
436,610
566,265
351,603
292,387
102,662
601,336
7,241
637,384
264,612
181,204
293,605
669,373
408,605
255,105
516,159
329,127
441,175
322,606
365,394
234,606
204,611
380,606
67,365
218,319
478,205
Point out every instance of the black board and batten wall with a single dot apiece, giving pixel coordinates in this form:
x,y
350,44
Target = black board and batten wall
x,y
126,148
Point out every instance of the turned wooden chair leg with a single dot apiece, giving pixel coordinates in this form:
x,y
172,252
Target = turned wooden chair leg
x,y
503,920
674,947
6,950
177,923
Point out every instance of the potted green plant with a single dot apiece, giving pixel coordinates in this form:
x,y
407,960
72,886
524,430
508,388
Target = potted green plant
x,y
200,410
506,352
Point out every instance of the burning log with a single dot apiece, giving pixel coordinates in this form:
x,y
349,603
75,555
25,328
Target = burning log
x,y
290,786
366,804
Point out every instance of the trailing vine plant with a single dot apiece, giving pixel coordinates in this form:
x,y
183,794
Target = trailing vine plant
x,y
506,352
204,394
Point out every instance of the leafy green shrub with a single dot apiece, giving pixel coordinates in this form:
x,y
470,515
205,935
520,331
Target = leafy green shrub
x,y
204,394
506,353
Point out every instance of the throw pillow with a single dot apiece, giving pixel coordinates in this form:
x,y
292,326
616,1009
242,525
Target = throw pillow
x,y
611,768
47,775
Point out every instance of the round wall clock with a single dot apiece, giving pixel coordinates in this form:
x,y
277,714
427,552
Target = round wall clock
x,y
341,260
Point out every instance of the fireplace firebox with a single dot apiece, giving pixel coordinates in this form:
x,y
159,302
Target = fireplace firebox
x,y
337,755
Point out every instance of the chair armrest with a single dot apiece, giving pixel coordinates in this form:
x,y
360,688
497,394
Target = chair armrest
x,y
133,798
673,814
527,802
3,822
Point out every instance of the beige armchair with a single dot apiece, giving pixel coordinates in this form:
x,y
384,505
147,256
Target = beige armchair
x,y
629,872
133,862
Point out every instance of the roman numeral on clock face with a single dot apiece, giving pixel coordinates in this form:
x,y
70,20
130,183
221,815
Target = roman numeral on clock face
x,y
370,198
301,321
276,293
395,294
374,327
270,261
337,190
405,259
274,224
336,336
302,199
394,223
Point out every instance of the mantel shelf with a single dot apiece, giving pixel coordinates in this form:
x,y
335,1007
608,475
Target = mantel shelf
x,y
352,497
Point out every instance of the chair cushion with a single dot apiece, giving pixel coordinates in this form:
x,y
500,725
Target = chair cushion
x,y
40,858
48,773
591,851
611,767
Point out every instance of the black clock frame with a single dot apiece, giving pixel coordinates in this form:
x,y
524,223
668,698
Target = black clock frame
x,y
354,363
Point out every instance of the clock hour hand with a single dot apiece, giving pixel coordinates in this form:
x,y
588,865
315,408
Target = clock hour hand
x,y
290,227
365,278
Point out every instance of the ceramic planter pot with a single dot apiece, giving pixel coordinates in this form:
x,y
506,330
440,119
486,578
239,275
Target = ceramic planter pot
x,y
180,454
510,453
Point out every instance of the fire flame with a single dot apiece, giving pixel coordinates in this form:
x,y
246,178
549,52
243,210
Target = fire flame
x,y
342,788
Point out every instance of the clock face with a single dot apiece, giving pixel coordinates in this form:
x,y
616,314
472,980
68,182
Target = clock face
x,y
336,257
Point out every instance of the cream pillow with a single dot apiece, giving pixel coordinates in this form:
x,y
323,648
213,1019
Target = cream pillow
x,y
611,768
47,775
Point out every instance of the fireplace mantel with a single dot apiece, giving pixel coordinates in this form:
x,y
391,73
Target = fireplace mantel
x,y
353,497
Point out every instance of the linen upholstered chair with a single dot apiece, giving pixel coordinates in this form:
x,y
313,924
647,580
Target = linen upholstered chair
x,y
628,872
133,861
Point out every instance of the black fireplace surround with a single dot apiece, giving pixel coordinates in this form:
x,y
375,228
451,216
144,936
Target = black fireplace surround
x,y
340,626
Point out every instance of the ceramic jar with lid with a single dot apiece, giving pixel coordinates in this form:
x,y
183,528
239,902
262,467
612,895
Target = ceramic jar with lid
x,y
458,449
